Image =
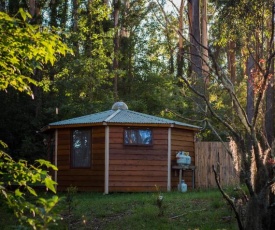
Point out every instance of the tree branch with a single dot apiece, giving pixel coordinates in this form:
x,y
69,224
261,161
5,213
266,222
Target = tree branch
x,y
229,201
210,108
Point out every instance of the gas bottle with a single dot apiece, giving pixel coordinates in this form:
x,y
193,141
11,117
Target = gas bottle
x,y
182,186
183,158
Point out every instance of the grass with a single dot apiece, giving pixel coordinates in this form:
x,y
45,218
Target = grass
x,y
191,210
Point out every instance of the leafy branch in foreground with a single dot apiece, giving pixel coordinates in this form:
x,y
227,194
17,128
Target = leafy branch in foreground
x,y
17,182
24,48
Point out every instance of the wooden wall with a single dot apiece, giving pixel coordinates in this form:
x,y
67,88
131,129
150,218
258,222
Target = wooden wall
x,y
182,140
131,168
138,168
214,153
91,179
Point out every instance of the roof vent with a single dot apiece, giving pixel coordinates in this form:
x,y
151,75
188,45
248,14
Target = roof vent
x,y
119,105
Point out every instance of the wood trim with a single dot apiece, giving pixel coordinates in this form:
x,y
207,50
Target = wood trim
x,y
169,162
107,143
120,124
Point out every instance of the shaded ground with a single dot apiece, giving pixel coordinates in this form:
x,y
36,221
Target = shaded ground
x,y
191,210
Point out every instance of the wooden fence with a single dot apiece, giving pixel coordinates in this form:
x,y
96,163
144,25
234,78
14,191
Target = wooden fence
x,y
209,154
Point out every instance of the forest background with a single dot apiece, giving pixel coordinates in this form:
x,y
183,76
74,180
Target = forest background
x,y
131,51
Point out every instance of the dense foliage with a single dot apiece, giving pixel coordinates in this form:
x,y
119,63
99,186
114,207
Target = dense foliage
x,y
25,48
18,180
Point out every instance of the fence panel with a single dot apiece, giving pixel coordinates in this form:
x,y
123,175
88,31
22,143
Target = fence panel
x,y
208,154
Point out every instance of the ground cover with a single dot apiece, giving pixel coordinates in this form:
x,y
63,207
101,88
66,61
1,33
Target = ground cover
x,y
200,209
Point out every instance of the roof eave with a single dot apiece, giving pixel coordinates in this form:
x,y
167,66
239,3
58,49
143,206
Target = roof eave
x,y
194,128
169,125
70,126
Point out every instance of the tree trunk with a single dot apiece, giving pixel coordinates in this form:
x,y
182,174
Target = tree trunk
x,y
117,4
231,57
269,107
75,24
3,6
32,7
53,13
269,114
204,38
250,89
180,43
13,7
195,38
255,211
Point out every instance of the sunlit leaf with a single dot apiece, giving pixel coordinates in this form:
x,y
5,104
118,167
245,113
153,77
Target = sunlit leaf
x,y
18,193
50,184
31,190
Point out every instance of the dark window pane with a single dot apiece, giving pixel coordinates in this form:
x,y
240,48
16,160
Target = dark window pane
x,y
81,148
145,137
137,136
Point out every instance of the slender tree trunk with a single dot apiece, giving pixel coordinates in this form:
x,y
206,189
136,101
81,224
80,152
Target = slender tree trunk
x,y
250,89
13,7
125,84
3,6
32,7
75,24
88,42
195,54
64,16
180,43
53,13
35,11
204,38
171,50
195,38
231,57
190,13
269,109
117,4
269,114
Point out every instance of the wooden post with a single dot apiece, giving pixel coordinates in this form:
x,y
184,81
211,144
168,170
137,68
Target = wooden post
x,y
106,182
169,162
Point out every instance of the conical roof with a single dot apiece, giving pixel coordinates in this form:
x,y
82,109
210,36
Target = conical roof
x,y
119,115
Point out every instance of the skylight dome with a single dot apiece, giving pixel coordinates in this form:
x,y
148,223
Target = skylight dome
x,y
119,105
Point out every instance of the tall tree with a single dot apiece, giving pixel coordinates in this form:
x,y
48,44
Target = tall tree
x,y
246,127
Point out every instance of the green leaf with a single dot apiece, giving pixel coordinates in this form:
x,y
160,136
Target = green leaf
x,y
2,189
31,190
18,193
50,184
24,14
46,163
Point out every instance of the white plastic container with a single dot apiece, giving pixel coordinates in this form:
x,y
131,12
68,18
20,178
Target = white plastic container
x,y
183,158
182,186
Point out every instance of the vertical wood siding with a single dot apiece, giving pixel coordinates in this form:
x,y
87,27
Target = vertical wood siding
x,y
214,153
91,179
138,168
182,140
